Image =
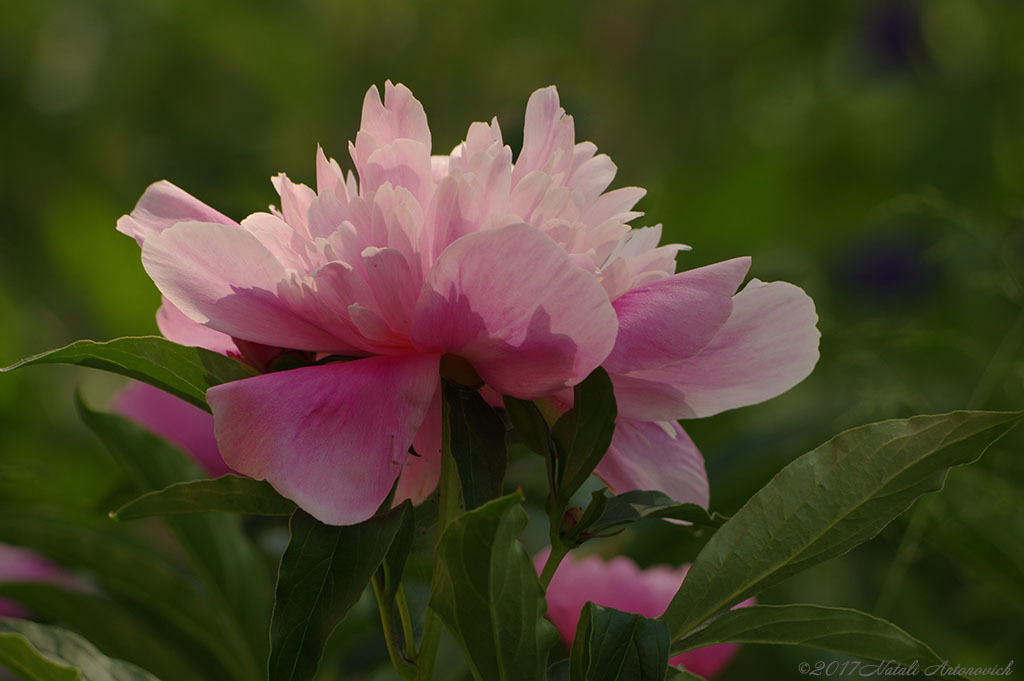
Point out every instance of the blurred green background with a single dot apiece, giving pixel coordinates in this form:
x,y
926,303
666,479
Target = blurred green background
x,y
871,152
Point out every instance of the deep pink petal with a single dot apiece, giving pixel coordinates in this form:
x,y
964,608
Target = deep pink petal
x,y
768,345
175,420
655,456
619,583
671,319
224,278
163,205
332,438
422,472
175,326
509,301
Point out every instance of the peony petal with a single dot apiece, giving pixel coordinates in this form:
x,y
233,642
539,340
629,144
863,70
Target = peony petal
x,y
422,472
332,438
768,345
404,163
645,399
510,302
175,326
672,319
659,456
225,278
163,205
548,136
175,420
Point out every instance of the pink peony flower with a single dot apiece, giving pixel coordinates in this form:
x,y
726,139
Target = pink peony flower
x,y
22,565
620,584
420,259
183,424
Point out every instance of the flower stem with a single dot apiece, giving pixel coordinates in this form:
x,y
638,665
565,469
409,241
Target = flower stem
x,y
558,552
404,668
406,618
449,489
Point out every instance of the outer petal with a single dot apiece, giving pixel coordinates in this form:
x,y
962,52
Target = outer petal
x,y
671,319
510,302
658,456
224,278
163,205
332,438
422,472
175,326
769,344
620,584
175,420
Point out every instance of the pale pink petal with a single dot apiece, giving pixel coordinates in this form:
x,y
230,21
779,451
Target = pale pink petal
x,y
658,456
592,176
295,200
768,345
332,438
163,205
509,302
404,163
389,275
615,205
225,278
619,583
422,472
548,136
329,178
671,319
400,116
175,326
649,399
455,210
177,421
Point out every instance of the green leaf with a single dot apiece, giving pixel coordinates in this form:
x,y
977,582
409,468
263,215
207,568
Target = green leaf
x,y
140,578
582,434
828,501
559,671
630,507
487,593
680,674
611,645
836,630
228,493
215,543
182,371
529,424
43,653
477,443
115,630
323,573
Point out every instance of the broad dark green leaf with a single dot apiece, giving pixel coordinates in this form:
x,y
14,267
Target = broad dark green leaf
x,y
59,647
559,671
180,370
611,645
324,571
582,434
529,425
629,507
143,580
487,593
115,630
836,630
215,543
680,674
828,501
228,493
477,437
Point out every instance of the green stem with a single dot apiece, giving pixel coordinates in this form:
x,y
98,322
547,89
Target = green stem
x,y
406,670
405,617
558,551
449,490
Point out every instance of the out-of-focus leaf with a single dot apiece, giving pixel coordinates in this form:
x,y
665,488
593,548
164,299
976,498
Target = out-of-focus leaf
x,y
215,543
115,630
529,425
559,671
138,577
828,501
680,674
45,653
582,434
611,645
182,371
324,571
487,593
477,439
837,630
228,493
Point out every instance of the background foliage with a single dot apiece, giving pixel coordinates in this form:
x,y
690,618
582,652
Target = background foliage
x,y
870,152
